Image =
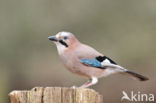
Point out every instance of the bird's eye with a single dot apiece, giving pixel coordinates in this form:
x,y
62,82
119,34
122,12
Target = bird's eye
x,y
65,38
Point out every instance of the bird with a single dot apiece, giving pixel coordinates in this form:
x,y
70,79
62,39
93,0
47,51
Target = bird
x,y
85,61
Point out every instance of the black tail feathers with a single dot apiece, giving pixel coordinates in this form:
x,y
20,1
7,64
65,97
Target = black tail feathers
x,y
137,76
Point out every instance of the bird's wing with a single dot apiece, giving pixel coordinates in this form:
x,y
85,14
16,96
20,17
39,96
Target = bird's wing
x,y
86,52
90,57
102,62
91,62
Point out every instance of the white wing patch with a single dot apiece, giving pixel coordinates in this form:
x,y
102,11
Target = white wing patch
x,y
111,68
106,61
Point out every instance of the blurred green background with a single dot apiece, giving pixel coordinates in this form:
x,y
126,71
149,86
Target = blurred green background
x,y
124,30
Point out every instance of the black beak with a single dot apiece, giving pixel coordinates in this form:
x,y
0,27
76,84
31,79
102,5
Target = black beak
x,y
53,38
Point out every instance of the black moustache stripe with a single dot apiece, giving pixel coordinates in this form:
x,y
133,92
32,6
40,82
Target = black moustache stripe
x,y
63,43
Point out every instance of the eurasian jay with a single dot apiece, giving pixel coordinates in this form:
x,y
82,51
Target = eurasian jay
x,y
85,61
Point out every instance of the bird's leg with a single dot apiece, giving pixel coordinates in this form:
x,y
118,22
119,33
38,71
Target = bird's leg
x,y
91,82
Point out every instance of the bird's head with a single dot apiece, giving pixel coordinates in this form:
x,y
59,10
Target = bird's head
x,y
63,40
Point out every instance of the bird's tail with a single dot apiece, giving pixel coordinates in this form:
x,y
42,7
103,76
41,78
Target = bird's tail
x,y
136,75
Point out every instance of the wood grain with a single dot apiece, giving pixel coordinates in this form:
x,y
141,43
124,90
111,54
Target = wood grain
x,y
56,95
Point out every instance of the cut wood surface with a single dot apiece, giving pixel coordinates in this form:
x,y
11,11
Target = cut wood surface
x,y
55,95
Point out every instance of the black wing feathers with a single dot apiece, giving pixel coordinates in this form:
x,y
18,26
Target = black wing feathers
x,y
102,58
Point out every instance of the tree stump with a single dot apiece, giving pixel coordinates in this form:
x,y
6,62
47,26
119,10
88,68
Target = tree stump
x,y
56,95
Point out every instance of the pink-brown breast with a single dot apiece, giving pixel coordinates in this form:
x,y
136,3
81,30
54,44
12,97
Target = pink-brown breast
x,y
71,59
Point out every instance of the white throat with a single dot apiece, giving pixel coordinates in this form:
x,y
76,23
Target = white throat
x,y
60,48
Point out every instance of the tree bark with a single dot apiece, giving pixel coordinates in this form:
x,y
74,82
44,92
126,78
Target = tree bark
x,y
56,95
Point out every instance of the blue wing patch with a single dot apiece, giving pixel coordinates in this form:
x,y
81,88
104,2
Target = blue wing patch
x,y
93,62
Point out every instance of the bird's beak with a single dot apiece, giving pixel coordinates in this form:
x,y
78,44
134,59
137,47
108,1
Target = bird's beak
x,y
53,38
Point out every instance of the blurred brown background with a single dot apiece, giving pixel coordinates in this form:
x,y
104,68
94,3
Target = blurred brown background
x,y
124,30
